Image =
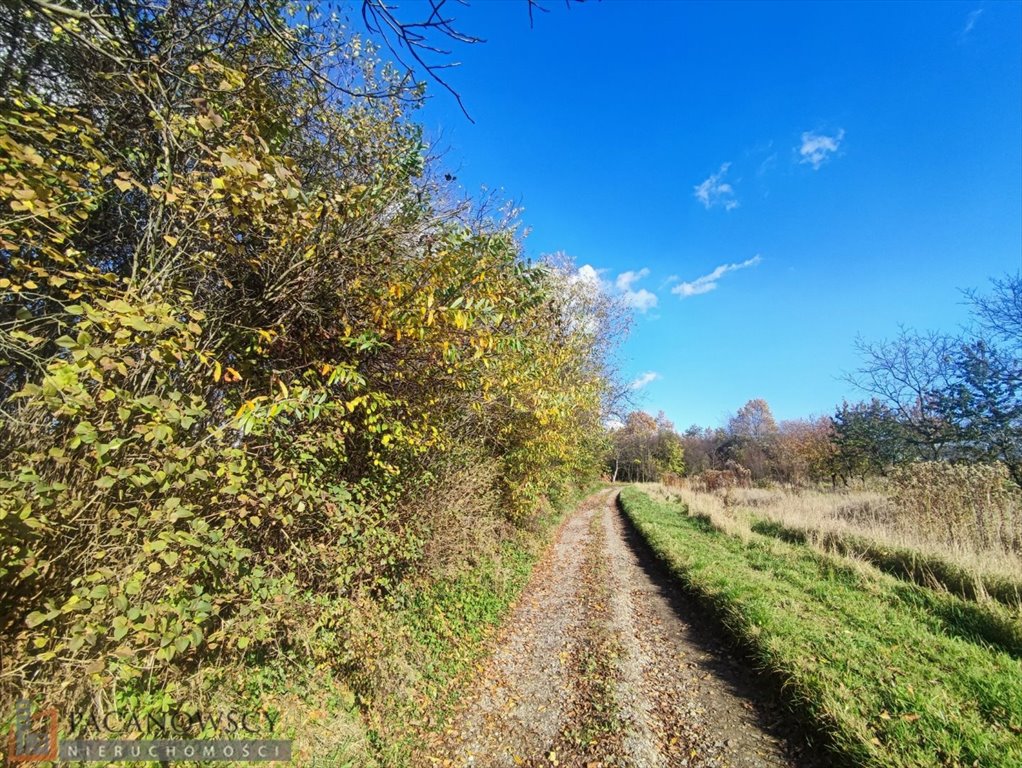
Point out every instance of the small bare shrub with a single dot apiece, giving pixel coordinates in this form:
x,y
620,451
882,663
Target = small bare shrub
x,y
734,475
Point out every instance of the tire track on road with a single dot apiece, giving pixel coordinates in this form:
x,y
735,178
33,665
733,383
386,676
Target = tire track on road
x,y
605,663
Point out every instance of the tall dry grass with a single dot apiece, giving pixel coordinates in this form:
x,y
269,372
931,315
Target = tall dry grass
x,y
964,516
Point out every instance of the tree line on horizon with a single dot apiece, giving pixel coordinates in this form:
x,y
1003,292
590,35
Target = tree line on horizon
x,y
934,398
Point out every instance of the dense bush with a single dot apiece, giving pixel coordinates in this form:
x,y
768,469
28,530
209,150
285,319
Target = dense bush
x,y
243,330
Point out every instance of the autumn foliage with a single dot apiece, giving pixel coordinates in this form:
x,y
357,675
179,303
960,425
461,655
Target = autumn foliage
x,y
244,329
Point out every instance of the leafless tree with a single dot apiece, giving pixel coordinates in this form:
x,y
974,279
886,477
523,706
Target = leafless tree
x,y
999,314
908,373
421,44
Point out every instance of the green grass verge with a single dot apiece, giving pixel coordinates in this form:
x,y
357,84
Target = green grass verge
x,y
987,622
905,563
871,662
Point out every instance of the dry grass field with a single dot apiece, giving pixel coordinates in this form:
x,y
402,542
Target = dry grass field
x,y
870,524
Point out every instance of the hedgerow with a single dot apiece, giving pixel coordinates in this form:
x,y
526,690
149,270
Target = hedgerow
x,y
244,329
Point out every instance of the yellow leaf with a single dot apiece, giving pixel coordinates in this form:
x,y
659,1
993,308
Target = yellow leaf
x,y
171,240
248,405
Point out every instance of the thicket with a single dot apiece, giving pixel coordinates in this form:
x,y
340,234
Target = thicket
x,y
248,338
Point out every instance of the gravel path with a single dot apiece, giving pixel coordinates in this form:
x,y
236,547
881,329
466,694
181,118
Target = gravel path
x,y
605,663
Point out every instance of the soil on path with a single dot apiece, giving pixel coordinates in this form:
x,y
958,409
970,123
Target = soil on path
x,y
604,662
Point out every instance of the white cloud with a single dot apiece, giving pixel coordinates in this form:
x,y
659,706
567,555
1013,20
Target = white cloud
x,y
625,279
716,191
647,378
970,21
708,282
818,147
591,280
767,164
588,276
640,299
585,284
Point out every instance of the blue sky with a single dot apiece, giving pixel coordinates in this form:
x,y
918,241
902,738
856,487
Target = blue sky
x,y
771,180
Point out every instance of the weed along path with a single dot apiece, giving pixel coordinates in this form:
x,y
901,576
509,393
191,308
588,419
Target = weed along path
x,y
603,663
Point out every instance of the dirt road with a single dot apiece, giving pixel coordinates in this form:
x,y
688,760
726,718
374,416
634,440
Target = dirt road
x,y
605,663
